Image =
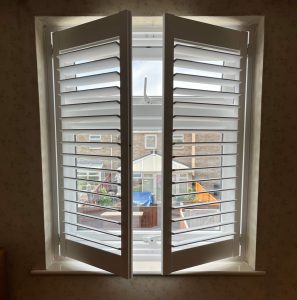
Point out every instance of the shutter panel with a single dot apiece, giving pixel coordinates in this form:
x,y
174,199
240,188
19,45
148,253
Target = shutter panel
x,y
204,99
92,68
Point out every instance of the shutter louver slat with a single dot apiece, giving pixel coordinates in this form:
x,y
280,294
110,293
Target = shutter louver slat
x,y
96,94
80,168
205,155
206,67
89,193
204,192
204,130
196,241
92,181
202,227
204,93
95,242
205,79
89,80
203,204
90,109
205,168
94,144
203,54
89,216
91,131
93,205
108,233
192,105
89,54
89,67
94,229
203,179
91,156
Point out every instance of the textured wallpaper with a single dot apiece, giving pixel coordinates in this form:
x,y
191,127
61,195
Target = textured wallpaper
x,y
21,210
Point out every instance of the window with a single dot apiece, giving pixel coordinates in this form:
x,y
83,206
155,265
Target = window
x,y
150,141
95,141
200,170
95,138
178,141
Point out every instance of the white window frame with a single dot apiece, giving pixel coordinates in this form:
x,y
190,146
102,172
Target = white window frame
x,y
43,55
146,137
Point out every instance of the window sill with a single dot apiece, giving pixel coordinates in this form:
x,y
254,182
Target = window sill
x,y
65,266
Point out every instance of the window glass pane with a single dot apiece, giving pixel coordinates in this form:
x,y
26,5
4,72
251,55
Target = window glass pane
x,y
150,142
95,138
137,185
148,185
153,71
179,139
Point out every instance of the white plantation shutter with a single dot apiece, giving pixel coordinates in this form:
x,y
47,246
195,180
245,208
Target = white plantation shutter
x,y
204,98
92,68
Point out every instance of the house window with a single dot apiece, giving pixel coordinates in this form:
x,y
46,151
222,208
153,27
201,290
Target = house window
x,y
150,141
95,138
200,168
178,141
143,182
88,175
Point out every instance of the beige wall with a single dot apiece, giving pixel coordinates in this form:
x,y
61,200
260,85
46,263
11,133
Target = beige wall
x,y
21,217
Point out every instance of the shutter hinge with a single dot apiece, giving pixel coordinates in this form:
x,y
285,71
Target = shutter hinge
x,y
51,46
248,49
241,239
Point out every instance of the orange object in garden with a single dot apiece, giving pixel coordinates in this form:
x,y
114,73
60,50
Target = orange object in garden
x,y
204,197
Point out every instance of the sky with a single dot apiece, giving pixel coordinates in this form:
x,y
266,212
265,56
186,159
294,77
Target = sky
x,y
152,69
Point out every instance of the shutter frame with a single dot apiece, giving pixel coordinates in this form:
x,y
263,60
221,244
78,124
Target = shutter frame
x,y
185,30
118,25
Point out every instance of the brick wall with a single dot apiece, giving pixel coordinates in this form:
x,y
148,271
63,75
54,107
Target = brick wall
x,y
139,149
